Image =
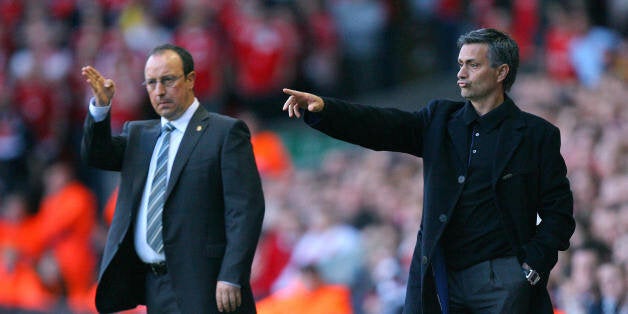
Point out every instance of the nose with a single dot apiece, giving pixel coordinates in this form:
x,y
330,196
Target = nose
x,y
160,88
462,73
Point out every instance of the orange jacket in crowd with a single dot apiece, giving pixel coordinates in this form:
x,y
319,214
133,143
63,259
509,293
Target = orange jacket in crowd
x,y
271,157
20,286
328,299
64,225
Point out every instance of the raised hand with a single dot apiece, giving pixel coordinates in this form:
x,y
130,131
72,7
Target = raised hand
x,y
102,88
303,100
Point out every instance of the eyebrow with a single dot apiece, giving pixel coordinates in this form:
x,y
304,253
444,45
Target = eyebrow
x,y
163,76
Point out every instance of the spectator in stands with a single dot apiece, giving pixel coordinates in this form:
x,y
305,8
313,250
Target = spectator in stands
x,y
264,46
312,294
21,287
592,47
62,229
40,69
361,26
272,158
198,33
579,292
613,297
15,141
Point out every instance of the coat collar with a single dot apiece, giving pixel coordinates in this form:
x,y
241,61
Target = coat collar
x,y
510,133
510,136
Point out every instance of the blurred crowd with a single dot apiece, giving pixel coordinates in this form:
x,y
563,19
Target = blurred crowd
x,y
338,235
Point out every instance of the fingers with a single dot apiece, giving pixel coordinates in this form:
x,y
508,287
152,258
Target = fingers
x,y
292,107
91,74
228,297
287,104
293,102
102,88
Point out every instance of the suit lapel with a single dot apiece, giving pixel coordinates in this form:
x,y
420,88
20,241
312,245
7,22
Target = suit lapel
x,y
510,135
195,129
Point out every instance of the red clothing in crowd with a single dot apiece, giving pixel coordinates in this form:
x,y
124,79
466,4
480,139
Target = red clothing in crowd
x,y
264,51
36,103
206,49
270,259
557,60
525,24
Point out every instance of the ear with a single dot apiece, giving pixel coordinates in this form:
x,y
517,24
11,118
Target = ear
x,y
502,72
190,78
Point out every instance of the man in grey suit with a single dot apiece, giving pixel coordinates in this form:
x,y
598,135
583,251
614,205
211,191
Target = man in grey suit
x,y
190,204
489,170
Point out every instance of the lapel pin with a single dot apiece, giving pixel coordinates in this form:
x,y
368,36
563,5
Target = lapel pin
x,y
199,128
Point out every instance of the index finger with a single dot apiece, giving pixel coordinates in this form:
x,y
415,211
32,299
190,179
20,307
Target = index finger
x,y
293,92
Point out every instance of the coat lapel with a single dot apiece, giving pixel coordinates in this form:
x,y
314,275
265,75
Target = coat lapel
x,y
510,135
455,127
195,129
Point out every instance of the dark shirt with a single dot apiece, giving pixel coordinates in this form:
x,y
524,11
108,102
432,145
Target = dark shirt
x,y
476,232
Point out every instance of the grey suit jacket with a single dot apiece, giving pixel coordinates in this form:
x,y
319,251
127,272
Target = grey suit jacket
x,y
212,214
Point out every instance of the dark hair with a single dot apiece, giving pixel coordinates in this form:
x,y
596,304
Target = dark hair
x,y
501,50
186,57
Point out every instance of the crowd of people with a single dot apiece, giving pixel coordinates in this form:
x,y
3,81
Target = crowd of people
x,y
347,224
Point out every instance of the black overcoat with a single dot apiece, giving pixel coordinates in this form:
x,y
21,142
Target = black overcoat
x,y
528,178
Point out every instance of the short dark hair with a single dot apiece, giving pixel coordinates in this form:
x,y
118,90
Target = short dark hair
x,y
186,57
502,49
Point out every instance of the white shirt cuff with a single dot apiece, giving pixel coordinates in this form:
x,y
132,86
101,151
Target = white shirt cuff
x,y
229,283
99,113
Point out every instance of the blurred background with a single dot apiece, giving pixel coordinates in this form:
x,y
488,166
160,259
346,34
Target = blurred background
x,y
341,221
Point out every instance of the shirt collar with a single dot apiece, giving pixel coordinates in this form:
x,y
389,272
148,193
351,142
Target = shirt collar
x,y
469,115
490,120
182,122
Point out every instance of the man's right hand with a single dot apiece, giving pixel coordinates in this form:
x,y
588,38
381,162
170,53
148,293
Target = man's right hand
x,y
102,88
303,100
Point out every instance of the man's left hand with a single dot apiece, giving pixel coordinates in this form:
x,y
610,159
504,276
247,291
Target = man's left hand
x,y
228,297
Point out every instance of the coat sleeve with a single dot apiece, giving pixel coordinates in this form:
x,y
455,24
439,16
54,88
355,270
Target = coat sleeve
x,y
99,148
556,208
371,127
244,205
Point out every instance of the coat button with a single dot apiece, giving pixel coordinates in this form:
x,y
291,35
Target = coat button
x,y
461,179
442,218
424,260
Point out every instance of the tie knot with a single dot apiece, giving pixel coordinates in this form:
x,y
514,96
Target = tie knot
x,y
167,128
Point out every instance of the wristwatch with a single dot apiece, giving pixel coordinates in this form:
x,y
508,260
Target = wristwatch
x,y
532,276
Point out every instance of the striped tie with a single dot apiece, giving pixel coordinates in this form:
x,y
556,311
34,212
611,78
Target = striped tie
x,y
157,193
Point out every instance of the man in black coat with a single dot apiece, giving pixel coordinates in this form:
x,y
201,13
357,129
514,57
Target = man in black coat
x,y
190,207
489,170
